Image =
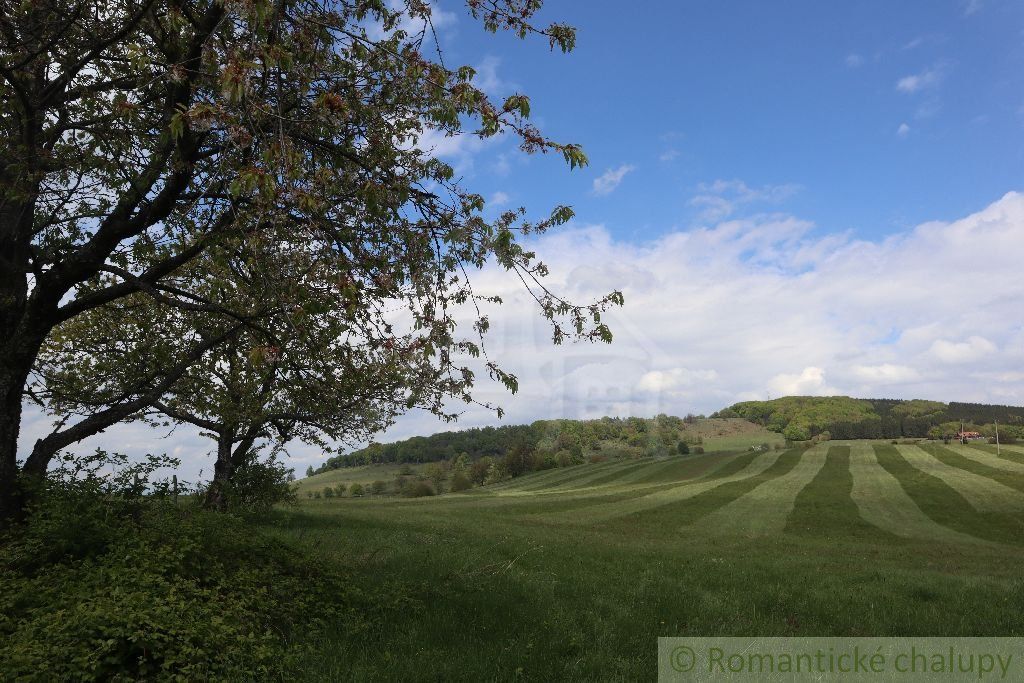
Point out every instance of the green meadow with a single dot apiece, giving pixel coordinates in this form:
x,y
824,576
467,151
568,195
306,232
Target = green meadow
x,y
573,573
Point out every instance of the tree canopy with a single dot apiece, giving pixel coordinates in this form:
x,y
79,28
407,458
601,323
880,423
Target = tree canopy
x,y
153,150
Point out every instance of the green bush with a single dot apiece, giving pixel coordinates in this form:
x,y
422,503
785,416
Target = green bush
x,y
460,482
329,492
683,448
104,583
356,490
339,490
699,450
420,489
378,487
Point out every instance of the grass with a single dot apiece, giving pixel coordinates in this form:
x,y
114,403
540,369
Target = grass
x,y
543,579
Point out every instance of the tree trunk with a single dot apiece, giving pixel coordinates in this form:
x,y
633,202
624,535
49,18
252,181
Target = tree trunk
x,y
217,494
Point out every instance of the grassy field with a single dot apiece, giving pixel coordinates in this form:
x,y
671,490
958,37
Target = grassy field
x,y
572,574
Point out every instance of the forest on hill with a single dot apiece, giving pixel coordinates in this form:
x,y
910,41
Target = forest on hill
x,y
542,444
800,418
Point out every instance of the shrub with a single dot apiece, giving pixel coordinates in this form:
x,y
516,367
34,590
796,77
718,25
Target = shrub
x,y
339,490
699,450
683,448
460,482
329,492
378,487
420,489
356,490
104,583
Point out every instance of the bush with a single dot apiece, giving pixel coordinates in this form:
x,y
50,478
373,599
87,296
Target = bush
x,y
105,583
699,450
378,487
339,490
258,485
356,490
460,482
420,489
683,448
329,492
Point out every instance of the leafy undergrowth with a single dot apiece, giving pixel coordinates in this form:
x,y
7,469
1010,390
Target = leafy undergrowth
x,y
99,587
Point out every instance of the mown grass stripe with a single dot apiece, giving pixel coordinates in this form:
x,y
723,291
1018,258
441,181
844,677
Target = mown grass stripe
x,y
825,508
1013,480
944,504
1011,454
594,478
694,508
984,495
883,502
765,508
611,478
987,458
549,478
736,469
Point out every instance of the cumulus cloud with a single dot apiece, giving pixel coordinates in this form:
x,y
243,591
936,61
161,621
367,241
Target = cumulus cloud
x,y
903,130
744,308
972,349
499,198
854,60
809,382
610,179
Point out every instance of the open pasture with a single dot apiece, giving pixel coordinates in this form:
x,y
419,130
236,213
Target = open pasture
x,y
573,573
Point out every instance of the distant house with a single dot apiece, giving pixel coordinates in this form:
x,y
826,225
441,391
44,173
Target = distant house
x,y
968,435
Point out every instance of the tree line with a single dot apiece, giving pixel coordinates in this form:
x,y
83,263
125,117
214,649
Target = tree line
x,y
801,418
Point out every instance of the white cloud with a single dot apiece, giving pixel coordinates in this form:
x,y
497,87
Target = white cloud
x,y
668,155
667,380
809,382
972,6
929,78
721,198
499,198
854,60
742,309
903,130
610,179
487,78
885,374
974,348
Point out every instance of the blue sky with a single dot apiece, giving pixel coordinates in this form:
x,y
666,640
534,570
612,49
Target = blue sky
x,y
874,116
806,198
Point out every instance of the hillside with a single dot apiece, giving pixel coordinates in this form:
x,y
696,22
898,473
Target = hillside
x,y
800,418
494,454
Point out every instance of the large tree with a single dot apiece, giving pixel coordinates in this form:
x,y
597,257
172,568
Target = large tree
x,y
136,135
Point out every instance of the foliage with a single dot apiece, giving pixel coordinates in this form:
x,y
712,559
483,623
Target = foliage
x,y
802,418
683,448
357,490
103,582
420,489
152,153
460,482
